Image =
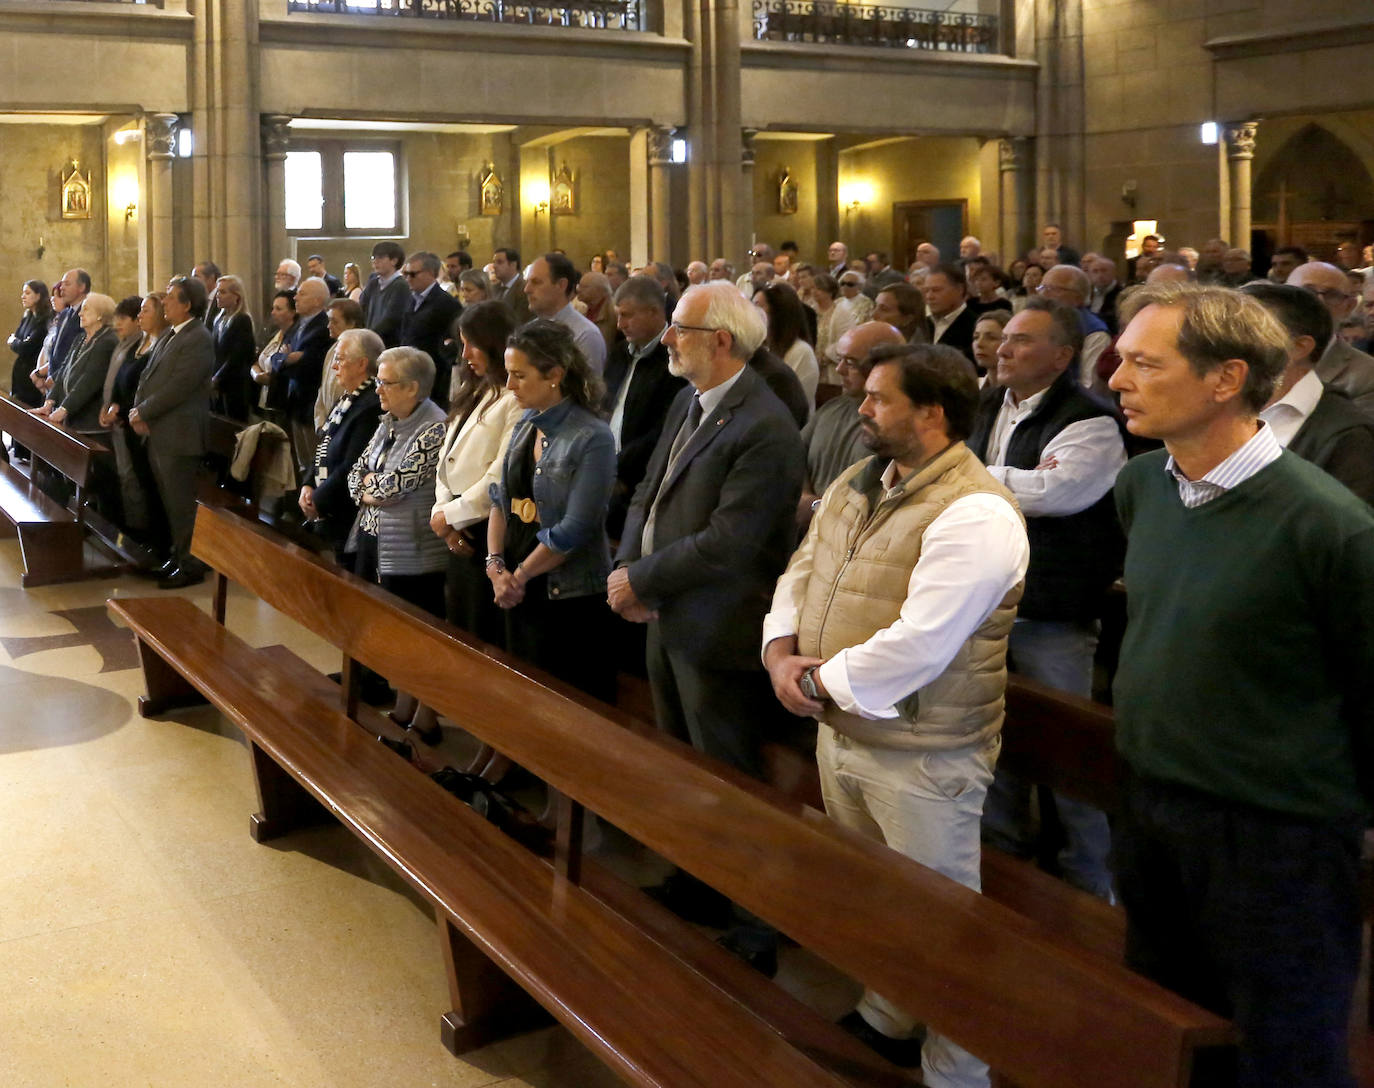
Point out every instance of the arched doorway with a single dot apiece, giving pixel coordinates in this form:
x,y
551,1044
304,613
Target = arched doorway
x,y
1316,193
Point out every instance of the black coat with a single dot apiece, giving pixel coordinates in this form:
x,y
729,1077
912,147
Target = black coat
x,y
383,308
235,353
1339,439
27,343
959,335
303,377
651,393
346,444
784,383
427,328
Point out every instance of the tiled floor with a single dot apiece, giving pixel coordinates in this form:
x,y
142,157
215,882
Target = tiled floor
x,y
146,940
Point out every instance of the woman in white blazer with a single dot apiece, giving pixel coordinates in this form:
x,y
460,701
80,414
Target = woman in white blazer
x,y
480,425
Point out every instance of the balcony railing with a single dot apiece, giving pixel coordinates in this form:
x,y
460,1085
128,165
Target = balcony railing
x,y
590,14
855,24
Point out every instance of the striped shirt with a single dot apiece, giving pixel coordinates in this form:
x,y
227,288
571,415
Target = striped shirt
x,y
1261,450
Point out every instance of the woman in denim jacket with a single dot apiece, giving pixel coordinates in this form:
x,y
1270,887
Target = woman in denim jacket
x,y
547,552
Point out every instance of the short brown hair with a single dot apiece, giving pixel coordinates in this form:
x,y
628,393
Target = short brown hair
x,y
1220,324
935,374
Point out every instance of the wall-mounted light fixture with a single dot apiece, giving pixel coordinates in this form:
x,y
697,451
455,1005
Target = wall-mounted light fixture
x,y
537,195
125,195
678,150
855,194
1208,132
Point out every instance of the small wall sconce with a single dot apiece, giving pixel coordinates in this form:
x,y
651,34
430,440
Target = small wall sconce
x,y
130,212
126,196
538,195
855,194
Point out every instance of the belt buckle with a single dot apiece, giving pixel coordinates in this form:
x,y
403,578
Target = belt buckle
x,y
524,509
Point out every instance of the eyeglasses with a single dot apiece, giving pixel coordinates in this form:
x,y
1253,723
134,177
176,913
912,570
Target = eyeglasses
x,y
848,362
679,329
383,383
410,275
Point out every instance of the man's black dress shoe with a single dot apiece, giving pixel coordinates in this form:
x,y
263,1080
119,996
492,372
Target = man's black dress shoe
x,y
692,900
758,951
181,577
903,1053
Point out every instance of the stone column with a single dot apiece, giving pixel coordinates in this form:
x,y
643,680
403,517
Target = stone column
x,y
275,134
660,152
1240,152
746,170
1012,163
641,147
159,142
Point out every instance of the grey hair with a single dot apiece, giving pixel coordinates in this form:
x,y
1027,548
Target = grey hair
x,y
101,306
412,365
292,266
369,343
642,290
428,261
1081,283
727,309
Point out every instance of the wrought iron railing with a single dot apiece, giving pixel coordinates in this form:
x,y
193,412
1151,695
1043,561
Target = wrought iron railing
x,y
857,24
590,14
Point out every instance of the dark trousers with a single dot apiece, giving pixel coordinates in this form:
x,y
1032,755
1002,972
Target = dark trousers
x,y
723,713
1252,914
469,603
176,487
567,637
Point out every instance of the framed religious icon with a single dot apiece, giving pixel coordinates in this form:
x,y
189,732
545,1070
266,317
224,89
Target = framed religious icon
x,y
787,193
76,193
492,192
562,199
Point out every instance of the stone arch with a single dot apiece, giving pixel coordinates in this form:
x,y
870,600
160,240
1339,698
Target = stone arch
x,y
1323,175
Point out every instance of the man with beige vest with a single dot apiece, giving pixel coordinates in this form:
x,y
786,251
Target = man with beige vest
x,y
890,628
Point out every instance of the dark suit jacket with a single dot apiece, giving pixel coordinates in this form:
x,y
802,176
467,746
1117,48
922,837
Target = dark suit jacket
x,y
303,377
68,340
173,395
784,383
724,527
959,335
1339,439
27,344
81,383
1350,371
347,443
647,401
427,328
514,298
886,278
1108,311
384,308
235,354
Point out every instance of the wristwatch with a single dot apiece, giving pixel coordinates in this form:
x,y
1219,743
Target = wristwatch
x,y
807,683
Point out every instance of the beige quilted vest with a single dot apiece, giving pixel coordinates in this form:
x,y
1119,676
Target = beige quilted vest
x,y
863,562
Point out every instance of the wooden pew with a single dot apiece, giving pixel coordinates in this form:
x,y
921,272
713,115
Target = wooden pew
x,y
1038,1008
51,536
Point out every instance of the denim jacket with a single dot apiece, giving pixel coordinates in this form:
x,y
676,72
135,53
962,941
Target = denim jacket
x,y
572,488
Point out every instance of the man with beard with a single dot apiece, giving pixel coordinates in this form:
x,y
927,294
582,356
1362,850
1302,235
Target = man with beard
x,y
890,628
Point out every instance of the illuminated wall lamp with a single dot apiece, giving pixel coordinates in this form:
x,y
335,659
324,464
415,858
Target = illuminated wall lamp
x,y
538,194
855,195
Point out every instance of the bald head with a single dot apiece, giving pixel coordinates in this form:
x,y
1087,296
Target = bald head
x,y
1169,273
311,296
1328,283
1068,283
857,344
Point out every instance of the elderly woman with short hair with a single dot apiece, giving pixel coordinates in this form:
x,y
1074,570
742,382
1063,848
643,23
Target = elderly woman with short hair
x,y
344,314
75,397
393,485
325,497
473,286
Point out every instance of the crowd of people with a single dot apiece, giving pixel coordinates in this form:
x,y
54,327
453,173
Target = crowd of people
x,y
834,503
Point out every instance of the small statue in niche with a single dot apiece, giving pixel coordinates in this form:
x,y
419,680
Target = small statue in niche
x,y
76,194
787,193
562,200
492,191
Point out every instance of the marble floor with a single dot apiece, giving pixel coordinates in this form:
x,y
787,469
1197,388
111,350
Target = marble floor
x,y
146,940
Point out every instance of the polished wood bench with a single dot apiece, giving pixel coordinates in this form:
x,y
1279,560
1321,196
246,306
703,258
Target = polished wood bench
x,y
51,536
1039,1009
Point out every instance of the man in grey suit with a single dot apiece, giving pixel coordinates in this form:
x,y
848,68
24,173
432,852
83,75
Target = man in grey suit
x,y
171,410
385,297
1342,366
508,285
708,533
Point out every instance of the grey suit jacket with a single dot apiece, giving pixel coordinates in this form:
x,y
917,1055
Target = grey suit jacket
x,y
514,298
82,381
1349,370
724,526
385,307
173,395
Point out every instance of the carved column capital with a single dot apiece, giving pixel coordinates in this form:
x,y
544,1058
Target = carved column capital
x,y
1011,153
160,135
1240,140
660,145
275,134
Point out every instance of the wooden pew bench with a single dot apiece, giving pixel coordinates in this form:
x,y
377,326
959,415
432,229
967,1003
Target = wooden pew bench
x,y
647,1013
1014,992
51,536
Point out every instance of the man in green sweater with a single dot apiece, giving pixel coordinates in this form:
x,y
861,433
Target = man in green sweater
x,y
1245,696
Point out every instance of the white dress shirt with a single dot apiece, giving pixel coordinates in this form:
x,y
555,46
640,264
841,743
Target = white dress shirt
x,y
941,324
618,414
1088,453
1287,414
801,357
971,555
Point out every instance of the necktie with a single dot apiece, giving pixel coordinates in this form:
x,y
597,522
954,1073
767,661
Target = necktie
x,y
684,434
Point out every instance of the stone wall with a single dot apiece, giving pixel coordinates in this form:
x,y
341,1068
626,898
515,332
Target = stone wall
x,y
800,157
